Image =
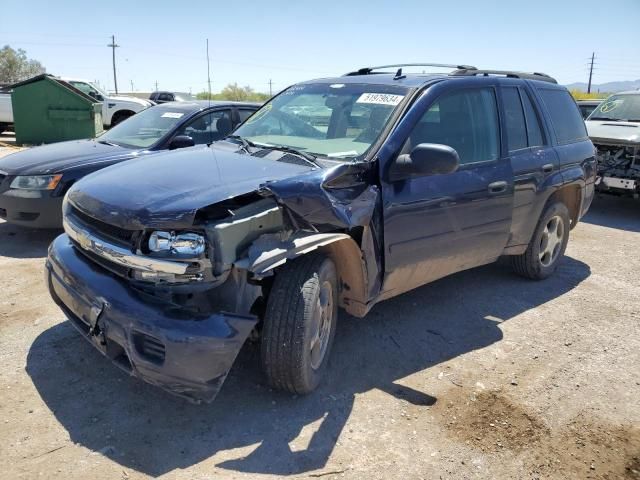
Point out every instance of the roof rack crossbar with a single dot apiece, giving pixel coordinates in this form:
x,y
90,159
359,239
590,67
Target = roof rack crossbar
x,y
506,73
368,70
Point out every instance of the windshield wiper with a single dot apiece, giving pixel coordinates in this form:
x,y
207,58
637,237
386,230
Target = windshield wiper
x,y
310,159
609,119
104,142
243,141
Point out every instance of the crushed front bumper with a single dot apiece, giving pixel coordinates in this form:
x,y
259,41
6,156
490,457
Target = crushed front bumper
x,y
158,342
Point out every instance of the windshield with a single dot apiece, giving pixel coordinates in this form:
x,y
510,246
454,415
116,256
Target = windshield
x,y
88,88
145,128
329,120
618,107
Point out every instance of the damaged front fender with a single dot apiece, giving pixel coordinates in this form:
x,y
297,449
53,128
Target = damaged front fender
x,y
344,196
271,251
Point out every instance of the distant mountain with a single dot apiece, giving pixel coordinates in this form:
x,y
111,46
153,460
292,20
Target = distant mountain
x,y
609,87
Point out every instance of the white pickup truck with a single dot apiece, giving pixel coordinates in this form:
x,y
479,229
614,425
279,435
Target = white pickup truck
x,y
114,108
614,129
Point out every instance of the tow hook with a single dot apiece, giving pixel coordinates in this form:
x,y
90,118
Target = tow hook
x,y
96,330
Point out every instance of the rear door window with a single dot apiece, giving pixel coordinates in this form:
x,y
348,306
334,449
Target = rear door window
x,y
245,113
565,115
514,119
209,127
534,130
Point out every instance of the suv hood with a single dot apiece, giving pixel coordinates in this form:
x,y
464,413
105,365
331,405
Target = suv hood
x,y
167,190
61,157
607,131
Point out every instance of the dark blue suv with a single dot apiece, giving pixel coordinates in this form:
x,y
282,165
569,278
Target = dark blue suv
x,y
337,193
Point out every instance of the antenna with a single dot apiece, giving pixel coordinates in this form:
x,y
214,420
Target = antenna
x,y
209,96
208,73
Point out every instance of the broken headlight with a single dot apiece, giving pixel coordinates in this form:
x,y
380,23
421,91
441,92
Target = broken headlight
x,y
176,245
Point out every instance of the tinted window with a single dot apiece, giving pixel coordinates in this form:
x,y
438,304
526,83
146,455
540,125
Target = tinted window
x,y
209,128
565,115
244,114
514,119
586,110
534,130
466,120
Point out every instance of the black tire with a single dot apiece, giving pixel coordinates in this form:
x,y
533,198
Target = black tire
x,y
294,355
537,263
120,117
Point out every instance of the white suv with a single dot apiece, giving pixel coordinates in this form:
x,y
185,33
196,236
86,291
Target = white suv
x,y
614,129
114,109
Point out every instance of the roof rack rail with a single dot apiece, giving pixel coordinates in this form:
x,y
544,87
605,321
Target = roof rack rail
x,y
506,73
368,70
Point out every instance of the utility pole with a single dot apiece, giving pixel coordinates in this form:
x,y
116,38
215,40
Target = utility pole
x,y
270,88
156,86
593,56
131,85
113,45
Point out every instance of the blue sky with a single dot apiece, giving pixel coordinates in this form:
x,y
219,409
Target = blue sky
x,y
252,42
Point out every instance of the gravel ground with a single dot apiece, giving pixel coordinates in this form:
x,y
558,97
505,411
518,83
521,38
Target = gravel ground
x,y
480,375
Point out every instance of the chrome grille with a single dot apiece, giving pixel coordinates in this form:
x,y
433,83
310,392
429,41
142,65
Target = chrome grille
x,y
120,235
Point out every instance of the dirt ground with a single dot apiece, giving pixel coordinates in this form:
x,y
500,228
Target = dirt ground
x,y
479,375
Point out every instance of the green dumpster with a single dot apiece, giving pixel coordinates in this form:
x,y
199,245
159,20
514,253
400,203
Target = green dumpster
x,y
47,110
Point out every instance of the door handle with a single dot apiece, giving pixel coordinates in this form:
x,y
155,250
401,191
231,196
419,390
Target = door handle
x,y
547,168
497,187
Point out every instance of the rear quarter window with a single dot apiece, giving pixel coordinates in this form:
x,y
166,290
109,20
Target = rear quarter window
x,y
565,116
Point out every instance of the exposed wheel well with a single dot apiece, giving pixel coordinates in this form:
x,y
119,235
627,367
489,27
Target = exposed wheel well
x,y
121,115
352,275
571,196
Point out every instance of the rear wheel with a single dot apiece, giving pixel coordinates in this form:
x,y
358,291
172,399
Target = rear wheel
x,y
548,244
299,323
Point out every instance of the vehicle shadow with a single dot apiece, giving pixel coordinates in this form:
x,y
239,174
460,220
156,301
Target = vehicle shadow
x,y
614,212
142,428
22,242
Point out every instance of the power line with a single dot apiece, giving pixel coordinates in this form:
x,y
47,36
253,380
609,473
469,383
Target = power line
x,y
113,45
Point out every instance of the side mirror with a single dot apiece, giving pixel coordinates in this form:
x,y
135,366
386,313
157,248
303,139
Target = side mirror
x,y
181,141
425,159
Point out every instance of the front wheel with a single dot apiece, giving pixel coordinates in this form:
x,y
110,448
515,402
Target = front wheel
x,y
300,323
547,246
